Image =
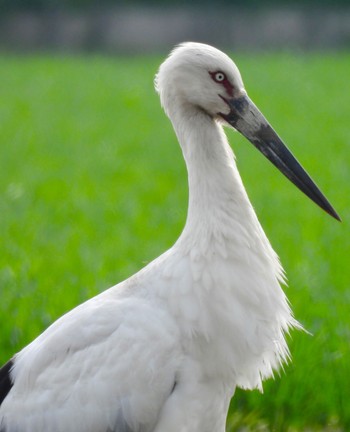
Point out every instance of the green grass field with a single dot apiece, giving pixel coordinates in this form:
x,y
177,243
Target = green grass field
x,y
93,186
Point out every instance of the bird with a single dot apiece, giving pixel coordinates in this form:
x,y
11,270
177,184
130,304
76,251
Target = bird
x,y
165,350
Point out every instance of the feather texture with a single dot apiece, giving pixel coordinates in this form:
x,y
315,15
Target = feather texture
x,y
164,350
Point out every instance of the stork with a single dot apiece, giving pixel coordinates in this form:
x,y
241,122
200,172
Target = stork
x,y
164,350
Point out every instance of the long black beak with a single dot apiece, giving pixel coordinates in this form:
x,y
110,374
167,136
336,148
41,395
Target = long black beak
x,y
249,121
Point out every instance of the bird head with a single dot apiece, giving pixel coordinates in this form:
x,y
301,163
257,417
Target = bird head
x,y
199,78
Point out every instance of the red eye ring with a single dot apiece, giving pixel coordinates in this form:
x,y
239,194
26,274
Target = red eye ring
x,y
219,77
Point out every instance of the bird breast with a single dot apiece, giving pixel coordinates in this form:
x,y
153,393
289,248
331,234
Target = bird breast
x,y
232,314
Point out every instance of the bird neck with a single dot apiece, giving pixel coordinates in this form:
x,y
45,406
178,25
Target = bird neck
x,y
219,209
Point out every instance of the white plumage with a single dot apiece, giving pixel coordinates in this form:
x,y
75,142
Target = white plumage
x,y
164,350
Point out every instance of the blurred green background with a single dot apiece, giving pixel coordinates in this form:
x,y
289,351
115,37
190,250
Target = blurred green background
x,y
93,186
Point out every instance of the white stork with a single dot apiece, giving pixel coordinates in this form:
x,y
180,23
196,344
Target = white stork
x,y
164,350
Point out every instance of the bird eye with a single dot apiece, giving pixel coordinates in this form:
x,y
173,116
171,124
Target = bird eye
x,y
219,77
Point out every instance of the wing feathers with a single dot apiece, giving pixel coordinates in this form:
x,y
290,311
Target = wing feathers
x,y
6,382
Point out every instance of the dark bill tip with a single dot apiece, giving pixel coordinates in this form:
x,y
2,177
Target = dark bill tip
x,y
245,117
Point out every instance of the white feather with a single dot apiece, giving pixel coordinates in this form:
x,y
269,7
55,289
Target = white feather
x,y
165,350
